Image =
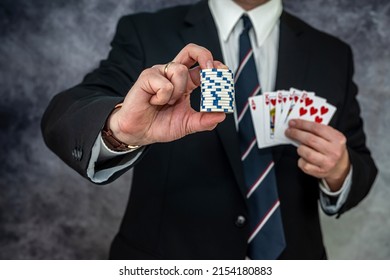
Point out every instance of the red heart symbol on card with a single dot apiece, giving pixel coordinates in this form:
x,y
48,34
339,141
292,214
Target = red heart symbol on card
x,y
284,100
273,101
302,111
318,119
253,105
296,98
308,101
324,110
313,111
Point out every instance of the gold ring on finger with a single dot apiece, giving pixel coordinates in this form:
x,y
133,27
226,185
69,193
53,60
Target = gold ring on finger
x,y
166,67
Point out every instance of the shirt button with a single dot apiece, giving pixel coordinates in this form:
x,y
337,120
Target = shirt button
x,y
240,221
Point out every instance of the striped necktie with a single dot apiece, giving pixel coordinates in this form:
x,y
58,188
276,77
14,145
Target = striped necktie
x,y
266,239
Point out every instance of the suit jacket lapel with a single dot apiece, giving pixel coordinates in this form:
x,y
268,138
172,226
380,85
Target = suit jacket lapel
x,y
292,58
292,61
201,30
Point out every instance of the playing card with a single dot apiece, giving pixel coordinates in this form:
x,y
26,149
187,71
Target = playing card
x,y
256,105
293,98
269,102
272,111
284,100
307,108
296,98
312,108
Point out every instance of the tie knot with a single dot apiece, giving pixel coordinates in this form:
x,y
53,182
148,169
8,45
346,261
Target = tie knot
x,y
247,23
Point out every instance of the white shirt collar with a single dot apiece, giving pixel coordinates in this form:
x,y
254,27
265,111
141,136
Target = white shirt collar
x,y
227,13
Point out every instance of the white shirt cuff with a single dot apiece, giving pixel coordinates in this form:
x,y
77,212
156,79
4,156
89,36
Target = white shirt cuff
x,y
100,152
341,195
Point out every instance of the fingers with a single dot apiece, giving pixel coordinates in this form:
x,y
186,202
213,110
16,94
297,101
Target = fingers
x,y
306,137
323,152
169,82
184,80
152,82
311,161
178,75
324,131
192,54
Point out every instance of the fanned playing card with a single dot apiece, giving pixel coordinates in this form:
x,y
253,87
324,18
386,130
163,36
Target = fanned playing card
x,y
257,108
272,111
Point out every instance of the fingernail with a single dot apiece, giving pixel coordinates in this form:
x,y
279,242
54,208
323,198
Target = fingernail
x,y
292,123
209,64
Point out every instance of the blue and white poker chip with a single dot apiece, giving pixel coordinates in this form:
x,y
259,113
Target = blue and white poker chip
x,y
217,89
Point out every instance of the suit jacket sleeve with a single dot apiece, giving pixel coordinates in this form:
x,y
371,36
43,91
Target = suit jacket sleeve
x,y
351,124
74,118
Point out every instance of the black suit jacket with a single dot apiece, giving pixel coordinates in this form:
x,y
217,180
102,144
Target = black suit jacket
x,y
187,195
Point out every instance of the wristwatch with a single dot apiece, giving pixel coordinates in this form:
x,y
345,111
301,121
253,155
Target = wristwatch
x,y
112,142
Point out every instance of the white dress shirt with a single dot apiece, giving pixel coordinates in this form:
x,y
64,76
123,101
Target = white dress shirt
x,y
265,42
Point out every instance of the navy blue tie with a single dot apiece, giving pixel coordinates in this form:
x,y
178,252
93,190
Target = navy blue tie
x,y
266,239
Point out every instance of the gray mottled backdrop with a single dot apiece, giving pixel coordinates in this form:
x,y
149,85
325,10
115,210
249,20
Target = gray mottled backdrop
x,y
49,212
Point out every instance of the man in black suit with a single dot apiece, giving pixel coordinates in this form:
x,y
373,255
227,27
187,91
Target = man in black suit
x,y
187,198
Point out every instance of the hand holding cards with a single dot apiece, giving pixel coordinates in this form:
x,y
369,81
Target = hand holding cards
x,y
272,111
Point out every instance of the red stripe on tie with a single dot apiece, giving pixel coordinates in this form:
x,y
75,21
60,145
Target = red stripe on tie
x,y
260,179
246,106
264,220
242,64
249,149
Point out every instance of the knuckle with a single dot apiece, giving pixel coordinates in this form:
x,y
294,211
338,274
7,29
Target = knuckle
x,y
300,163
148,72
301,150
306,167
181,69
168,87
191,45
316,128
343,140
291,132
303,165
310,157
144,73
335,154
327,165
208,52
312,140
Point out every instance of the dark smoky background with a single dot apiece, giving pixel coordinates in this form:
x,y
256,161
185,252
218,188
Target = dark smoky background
x,y
47,211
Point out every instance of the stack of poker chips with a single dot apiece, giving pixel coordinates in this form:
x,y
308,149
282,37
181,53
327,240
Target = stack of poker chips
x,y
217,90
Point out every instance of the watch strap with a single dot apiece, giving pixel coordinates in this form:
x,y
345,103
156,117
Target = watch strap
x,y
114,143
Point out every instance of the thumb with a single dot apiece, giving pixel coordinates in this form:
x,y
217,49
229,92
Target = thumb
x,y
201,121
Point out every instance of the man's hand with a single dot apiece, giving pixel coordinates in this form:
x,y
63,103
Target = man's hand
x,y
157,108
323,152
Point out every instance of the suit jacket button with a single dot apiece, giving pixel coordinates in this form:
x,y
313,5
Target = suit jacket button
x,y
240,221
77,153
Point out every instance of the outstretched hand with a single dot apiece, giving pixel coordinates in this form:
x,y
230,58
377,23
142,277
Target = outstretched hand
x,y
157,108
